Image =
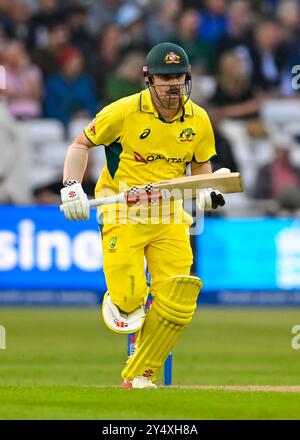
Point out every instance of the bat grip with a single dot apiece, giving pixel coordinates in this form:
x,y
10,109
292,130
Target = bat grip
x,y
118,198
144,197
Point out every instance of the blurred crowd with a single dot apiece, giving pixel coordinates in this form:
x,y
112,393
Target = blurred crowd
x,y
64,60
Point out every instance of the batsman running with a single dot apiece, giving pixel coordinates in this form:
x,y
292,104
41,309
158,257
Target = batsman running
x,y
148,137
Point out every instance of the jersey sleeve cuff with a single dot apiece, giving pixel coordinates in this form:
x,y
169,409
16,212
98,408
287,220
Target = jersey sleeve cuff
x,y
96,145
203,161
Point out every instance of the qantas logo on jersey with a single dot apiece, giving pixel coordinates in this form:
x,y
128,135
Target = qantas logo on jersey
x,y
139,158
154,157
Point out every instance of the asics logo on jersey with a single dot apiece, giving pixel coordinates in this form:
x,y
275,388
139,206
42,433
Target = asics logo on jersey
x,y
145,133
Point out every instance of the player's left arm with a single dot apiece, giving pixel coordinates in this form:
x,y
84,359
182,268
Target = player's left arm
x,y
200,168
208,198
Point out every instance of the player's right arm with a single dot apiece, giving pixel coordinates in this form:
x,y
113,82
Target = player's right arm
x,y
76,158
74,200
105,128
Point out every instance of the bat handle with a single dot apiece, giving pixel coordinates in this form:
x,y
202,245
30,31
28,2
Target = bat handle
x,y
118,198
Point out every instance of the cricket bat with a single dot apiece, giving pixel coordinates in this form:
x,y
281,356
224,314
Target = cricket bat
x,y
182,187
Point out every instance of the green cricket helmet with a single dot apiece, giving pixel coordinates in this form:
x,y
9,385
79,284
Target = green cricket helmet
x,y
167,59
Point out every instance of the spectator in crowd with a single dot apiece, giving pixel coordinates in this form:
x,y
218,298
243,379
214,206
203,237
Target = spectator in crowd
x,y
160,26
24,87
288,12
268,56
70,93
280,179
128,78
234,97
2,47
80,35
214,21
5,18
225,156
47,58
106,57
130,20
268,6
201,53
49,13
237,35
263,7
100,13
32,5
14,164
20,18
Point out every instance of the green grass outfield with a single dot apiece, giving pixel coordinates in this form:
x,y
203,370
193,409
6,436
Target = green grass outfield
x,y
64,364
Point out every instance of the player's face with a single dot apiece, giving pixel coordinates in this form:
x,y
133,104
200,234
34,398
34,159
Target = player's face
x,y
169,89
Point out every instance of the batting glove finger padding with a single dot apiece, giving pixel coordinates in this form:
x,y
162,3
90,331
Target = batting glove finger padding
x,y
75,202
209,199
217,199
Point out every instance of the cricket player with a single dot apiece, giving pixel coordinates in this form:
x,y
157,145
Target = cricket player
x,y
148,137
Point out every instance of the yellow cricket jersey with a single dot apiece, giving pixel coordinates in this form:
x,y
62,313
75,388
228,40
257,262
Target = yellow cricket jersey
x,y
142,148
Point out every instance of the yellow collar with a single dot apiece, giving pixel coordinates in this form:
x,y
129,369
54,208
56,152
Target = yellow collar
x,y
147,106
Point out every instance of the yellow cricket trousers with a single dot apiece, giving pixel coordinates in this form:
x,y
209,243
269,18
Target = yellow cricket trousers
x,y
127,248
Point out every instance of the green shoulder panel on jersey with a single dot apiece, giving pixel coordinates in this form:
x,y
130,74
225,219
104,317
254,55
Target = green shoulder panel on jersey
x,y
114,150
113,153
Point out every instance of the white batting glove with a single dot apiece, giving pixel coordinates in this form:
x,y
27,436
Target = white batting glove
x,y
75,203
210,198
222,171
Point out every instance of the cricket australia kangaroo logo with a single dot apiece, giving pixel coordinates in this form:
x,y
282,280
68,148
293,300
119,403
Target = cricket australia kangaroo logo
x,y
113,244
187,135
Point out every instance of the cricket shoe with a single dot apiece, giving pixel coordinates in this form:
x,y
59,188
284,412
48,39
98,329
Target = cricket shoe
x,y
139,382
127,384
